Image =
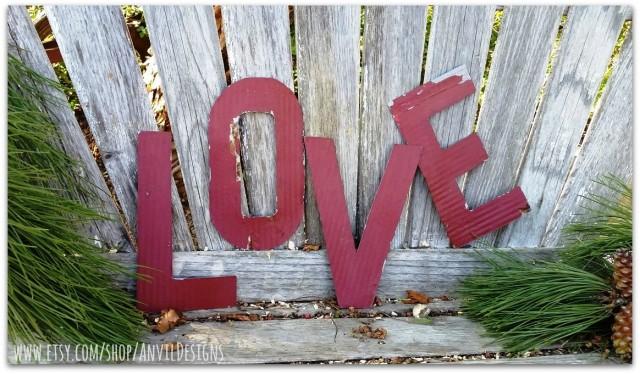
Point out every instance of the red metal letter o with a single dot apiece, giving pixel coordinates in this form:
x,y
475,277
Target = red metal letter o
x,y
256,95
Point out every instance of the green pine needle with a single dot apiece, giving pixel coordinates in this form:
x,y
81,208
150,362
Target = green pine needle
x,y
606,228
59,285
527,305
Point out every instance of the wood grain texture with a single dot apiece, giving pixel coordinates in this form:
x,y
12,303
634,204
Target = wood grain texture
x,y
331,339
22,34
100,59
477,358
328,56
259,45
195,335
587,41
299,275
187,51
392,58
459,36
517,72
607,148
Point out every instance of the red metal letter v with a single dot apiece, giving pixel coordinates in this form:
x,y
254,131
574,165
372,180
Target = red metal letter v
x,y
440,167
356,272
156,287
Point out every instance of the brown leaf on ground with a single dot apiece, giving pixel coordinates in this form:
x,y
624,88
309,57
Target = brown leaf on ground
x,y
362,329
172,346
415,297
168,319
242,317
311,247
444,297
380,333
365,331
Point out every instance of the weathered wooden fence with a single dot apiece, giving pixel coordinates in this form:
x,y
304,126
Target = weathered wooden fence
x,y
537,118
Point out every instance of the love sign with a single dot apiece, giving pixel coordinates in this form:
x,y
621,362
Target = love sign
x,y
356,271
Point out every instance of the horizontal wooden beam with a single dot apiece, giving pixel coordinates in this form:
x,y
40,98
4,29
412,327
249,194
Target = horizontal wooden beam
x,y
326,339
445,339
298,275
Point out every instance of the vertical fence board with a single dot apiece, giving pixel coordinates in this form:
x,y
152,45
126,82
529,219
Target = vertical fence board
x,y
586,46
259,45
459,36
517,72
101,62
392,64
22,34
100,59
187,51
328,58
607,148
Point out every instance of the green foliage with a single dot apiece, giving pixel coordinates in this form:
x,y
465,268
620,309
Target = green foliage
x,y
59,284
526,305
35,11
427,34
133,15
495,29
556,46
67,86
606,227
626,28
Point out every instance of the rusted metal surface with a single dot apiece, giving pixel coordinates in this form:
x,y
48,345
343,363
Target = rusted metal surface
x,y
264,95
156,289
441,167
356,273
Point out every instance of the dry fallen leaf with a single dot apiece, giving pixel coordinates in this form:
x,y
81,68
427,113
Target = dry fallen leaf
x,y
311,247
168,319
242,317
415,297
362,329
380,333
366,331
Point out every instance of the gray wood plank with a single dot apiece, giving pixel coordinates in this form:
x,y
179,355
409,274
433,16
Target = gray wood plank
x,y
259,45
587,42
22,34
187,51
517,72
328,56
607,148
331,339
99,56
153,342
459,36
298,275
392,64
